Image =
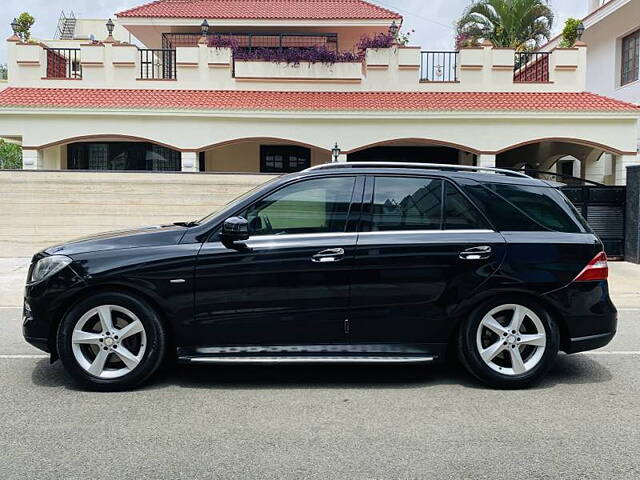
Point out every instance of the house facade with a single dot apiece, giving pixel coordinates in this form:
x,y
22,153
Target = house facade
x,y
271,87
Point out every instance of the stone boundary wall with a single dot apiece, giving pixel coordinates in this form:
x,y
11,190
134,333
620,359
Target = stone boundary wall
x,y
42,208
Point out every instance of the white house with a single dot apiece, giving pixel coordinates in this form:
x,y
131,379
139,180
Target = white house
x,y
211,97
612,34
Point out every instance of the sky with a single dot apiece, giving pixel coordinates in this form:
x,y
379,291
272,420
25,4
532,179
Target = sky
x,y
432,19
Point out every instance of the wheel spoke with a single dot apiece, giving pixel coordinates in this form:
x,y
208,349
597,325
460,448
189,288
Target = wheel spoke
x,y
104,312
492,324
537,339
131,329
491,351
97,366
517,364
80,336
128,358
516,320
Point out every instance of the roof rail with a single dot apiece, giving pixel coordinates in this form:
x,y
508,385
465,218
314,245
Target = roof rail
x,y
429,166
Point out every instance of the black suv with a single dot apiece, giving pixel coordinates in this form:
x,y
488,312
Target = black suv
x,y
353,262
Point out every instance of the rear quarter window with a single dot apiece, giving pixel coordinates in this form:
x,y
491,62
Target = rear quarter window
x,y
527,208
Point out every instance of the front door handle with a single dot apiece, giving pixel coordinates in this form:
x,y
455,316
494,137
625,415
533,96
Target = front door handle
x,y
476,253
329,255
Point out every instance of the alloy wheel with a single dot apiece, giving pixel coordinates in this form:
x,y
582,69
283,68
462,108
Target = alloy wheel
x,y
109,341
511,339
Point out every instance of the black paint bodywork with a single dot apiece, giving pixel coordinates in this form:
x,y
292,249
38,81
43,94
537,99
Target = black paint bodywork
x,y
391,292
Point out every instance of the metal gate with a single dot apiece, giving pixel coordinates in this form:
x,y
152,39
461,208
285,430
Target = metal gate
x,y
604,209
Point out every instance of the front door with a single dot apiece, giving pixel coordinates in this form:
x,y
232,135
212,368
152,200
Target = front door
x,y
423,247
290,285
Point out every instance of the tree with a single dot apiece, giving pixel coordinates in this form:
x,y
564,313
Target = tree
x,y
570,33
10,155
25,22
520,24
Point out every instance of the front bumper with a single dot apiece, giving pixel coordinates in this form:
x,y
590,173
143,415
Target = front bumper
x,y
590,318
44,304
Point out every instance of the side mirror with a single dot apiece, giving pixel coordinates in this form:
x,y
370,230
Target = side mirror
x,y
234,229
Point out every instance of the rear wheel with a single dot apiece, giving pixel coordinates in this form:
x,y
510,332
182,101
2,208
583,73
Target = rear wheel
x,y
111,341
509,345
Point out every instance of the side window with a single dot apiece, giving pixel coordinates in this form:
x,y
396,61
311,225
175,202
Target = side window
x,y
542,205
312,206
459,213
504,216
523,208
406,203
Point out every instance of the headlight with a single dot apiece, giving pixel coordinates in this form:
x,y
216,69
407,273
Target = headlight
x,y
48,266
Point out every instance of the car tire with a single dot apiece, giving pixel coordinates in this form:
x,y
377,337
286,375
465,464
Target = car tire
x,y
504,354
111,342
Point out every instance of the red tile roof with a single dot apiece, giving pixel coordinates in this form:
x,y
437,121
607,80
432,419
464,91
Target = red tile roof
x,y
309,101
262,9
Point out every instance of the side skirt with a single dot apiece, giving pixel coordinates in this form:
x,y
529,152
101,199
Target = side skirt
x,y
274,359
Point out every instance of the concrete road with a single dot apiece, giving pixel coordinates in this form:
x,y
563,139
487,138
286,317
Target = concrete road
x,y
323,422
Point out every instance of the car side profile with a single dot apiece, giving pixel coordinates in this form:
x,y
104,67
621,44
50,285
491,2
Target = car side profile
x,y
345,262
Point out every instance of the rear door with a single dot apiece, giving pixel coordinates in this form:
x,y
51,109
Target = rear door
x,y
422,248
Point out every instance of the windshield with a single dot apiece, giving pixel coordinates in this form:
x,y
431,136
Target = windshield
x,y
236,201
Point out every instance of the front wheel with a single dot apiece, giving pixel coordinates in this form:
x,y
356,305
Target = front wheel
x,y
509,345
111,341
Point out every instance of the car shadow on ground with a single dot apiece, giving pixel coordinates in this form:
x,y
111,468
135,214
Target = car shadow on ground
x,y
574,369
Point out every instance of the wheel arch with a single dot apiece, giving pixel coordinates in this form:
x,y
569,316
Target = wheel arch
x,y
465,310
83,294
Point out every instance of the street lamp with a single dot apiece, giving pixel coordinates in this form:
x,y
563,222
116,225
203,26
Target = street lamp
x,y
335,151
204,27
15,25
110,26
393,29
580,30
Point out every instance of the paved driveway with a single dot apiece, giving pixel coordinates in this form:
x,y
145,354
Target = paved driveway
x,y
323,421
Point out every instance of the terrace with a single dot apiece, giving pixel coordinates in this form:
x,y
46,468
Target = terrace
x,y
288,61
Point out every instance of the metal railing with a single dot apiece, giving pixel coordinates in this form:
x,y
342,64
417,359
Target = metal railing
x,y
531,67
64,63
439,67
157,64
249,40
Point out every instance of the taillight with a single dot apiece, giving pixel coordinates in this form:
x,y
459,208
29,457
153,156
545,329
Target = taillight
x,y
596,269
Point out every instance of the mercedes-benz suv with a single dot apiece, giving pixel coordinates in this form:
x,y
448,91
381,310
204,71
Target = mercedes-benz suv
x,y
353,262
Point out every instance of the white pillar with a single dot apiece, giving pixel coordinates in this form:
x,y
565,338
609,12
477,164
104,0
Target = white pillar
x,y
486,160
596,169
190,162
32,159
621,164
342,158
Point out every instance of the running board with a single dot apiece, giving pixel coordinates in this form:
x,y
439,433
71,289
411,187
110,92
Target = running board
x,y
310,359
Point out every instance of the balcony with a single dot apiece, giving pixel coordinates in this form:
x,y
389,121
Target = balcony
x,y
203,67
63,63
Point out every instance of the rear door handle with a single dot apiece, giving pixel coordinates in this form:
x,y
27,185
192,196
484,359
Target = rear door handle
x,y
329,255
476,253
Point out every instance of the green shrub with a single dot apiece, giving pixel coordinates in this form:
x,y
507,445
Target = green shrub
x,y
10,155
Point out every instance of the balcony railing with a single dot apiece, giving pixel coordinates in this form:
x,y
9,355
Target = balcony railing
x,y
249,41
158,64
64,63
439,67
531,67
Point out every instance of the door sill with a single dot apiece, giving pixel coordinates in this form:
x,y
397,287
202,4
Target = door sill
x,y
272,359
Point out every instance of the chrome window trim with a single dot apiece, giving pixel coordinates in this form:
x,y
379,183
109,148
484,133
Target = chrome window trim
x,y
302,236
423,232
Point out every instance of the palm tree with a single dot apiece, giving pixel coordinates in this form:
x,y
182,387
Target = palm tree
x,y
520,24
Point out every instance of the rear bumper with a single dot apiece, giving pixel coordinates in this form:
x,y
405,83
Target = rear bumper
x,y
590,319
